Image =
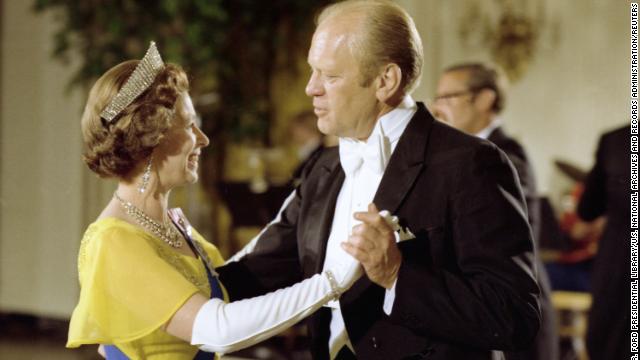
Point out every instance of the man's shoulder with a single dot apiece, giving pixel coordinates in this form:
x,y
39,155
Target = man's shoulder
x,y
450,142
509,145
328,153
327,158
617,136
321,161
439,137
614,149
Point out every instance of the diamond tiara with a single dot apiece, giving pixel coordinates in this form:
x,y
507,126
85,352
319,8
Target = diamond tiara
x,y
141,78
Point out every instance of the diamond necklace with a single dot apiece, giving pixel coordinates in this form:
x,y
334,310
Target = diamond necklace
x,y
167,233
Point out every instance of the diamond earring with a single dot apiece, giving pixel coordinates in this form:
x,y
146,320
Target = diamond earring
x,y
145,177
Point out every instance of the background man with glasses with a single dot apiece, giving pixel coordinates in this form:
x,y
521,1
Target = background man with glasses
x,y
470,97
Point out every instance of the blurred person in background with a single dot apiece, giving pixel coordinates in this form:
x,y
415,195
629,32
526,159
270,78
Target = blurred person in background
x,y
570,268
149,289
606,193
470,97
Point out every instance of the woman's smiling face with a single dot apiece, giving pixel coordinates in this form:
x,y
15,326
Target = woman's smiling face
x,y
178,154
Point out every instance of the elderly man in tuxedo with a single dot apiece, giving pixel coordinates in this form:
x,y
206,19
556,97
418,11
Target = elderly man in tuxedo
x,y
453,277
470,97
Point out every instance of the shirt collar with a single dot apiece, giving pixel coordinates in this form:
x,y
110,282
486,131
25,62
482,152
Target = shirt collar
x,y
385,134
486,132
392,124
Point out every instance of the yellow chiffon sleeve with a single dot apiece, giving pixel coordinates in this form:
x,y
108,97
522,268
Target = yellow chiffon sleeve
x,y
127,289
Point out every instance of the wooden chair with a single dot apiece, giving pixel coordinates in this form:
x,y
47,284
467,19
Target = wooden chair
x,y
573,309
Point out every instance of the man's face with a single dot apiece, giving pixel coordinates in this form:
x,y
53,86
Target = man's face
x,y
455,103
344,107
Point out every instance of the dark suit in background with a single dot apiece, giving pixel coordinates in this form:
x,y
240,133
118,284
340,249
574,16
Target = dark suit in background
x,y
607,193
466,284
546,345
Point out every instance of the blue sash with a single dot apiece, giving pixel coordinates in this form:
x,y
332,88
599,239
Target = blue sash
x,y
180,221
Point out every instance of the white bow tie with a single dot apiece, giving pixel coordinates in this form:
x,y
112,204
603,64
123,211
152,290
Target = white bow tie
x,y
372,154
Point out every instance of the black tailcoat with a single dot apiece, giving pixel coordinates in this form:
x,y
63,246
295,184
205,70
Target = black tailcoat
x,y
466,284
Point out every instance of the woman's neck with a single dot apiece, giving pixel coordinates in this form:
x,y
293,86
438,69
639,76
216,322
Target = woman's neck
x,y
152,202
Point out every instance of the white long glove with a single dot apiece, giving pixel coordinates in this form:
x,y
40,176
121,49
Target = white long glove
x,y
224,328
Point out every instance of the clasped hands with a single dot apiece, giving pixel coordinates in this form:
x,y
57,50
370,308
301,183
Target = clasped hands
x,y
373,244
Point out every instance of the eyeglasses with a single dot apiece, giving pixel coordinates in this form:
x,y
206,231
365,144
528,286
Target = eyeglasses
x,y
445,97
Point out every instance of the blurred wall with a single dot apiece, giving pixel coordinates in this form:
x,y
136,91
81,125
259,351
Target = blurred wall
x,y
572,92
41,192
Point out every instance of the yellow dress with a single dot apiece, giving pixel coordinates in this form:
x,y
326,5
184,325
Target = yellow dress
x,y
131,284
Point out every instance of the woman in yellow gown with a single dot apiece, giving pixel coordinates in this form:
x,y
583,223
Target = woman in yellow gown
x,y
148,285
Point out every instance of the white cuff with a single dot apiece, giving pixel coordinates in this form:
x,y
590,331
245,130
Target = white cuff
x,y
389,298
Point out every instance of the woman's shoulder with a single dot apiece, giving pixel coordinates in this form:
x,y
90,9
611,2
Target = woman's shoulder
x,y
111,223
113,235
111,229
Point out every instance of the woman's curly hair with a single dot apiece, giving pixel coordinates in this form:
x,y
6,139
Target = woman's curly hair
x,y
114,149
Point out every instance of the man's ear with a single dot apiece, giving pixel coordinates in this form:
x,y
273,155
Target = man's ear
x,y
484,99
389,83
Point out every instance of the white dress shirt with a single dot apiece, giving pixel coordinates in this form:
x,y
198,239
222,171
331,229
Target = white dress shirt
x,y
357,192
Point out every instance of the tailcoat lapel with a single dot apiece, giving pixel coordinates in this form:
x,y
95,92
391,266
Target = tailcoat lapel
x,y
320,213
405,163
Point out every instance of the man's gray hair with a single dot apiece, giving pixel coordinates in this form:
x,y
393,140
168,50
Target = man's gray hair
x,y
387,34
484,76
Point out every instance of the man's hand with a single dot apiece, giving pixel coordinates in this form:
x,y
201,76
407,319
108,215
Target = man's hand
x,y
372,243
